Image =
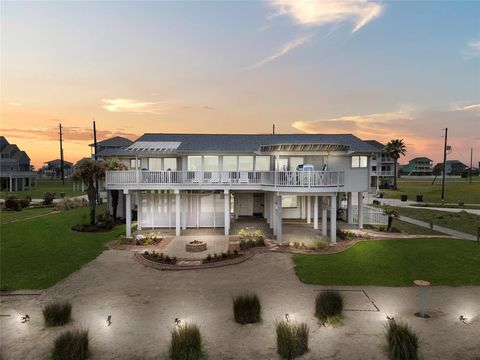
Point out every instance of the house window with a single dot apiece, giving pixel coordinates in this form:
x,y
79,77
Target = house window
x,y
359,161
210,163
194,163
262,163
132,164
170,164
374,168
289,201
294,162
245,163
154,164
229,163
282,164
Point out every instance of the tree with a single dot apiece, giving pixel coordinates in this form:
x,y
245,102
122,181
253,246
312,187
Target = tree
x,y
391,213
115,164
395,149
437,170
88,170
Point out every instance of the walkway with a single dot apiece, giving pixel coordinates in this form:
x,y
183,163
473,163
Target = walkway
x,y
411,204
441,229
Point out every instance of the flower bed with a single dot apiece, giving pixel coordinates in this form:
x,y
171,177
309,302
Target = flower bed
x,y
221,257
159,257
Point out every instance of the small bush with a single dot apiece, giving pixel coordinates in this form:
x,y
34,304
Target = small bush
x,y
186,343
57,314
346,234
402,341
292,339
25,201
12,203
247,309
329,307
48,198
71,345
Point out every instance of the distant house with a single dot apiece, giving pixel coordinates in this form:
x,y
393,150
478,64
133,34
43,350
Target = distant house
x,y
455,167
53,168
111,145
15,170
381,167
419,166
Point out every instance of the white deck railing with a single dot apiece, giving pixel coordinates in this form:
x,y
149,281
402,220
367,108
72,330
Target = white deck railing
x,y
232,178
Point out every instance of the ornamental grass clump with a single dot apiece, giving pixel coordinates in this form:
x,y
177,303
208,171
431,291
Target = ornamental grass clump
x,y
247,309
186,343
329,307
292,339
71,345
402,341
57,314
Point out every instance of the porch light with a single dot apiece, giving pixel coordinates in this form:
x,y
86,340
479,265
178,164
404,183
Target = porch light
x,y
177,321
287,317
463,319
24,318
109,320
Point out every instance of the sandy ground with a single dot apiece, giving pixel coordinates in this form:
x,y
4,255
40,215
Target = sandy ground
x,y
144,302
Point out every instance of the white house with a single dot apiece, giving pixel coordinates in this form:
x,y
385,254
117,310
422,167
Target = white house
x,y
184,181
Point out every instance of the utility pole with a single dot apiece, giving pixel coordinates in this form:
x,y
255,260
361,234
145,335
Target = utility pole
x,y
61,155
96,158
471,164
444,166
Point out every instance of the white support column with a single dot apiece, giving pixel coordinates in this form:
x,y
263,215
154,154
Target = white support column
x,y
315,213
274,214
139,210
128,214
183,211
226,205
278,220
360,210
10,184
177,213
324,216
267,207
309,209
349,208
333,219
304,207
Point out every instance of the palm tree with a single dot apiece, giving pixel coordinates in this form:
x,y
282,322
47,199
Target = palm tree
x,y
115,164
391,213
88,171
395,149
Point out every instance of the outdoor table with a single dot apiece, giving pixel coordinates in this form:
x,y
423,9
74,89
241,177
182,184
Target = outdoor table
x,y
422,284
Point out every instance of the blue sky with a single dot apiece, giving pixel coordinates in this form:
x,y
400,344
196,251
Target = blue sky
x,y
376,69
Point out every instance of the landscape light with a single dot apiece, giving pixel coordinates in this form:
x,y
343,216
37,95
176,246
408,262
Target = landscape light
x,y
287,317
177,321
25,318
109,320
463,319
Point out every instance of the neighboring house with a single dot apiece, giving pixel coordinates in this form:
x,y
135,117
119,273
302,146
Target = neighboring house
x,y
419,166
110,145
455,167
381,167
184,181
53,168
15,168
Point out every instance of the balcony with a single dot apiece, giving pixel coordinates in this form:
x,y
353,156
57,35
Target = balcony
x,y
142,179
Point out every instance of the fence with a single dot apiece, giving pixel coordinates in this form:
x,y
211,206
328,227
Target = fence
x,y
371,215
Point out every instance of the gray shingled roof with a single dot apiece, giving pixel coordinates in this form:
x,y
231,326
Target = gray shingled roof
x,y
252,142
116,141
375,144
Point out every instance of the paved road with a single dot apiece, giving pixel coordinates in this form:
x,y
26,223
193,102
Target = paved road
x,y
441,229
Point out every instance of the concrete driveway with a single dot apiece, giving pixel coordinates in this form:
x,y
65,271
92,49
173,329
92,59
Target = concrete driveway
x,y
144,302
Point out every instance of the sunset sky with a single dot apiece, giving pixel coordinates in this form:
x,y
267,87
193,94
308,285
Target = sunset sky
x,y
379,70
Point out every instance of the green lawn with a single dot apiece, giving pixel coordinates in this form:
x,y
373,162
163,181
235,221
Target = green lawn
x,y
43,186
394,263
37,253
461,221
412,229
7,216
455,190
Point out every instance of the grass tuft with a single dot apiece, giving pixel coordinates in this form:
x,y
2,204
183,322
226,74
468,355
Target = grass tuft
x,y
186,343
57,314
247,309
329,307
71,345
292,339
402,341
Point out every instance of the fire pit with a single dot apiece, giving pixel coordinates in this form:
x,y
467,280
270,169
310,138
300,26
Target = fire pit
x,y
195,246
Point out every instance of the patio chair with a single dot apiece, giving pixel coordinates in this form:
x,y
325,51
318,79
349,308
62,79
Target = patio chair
x,y
214,179
244,178
225,178
197,177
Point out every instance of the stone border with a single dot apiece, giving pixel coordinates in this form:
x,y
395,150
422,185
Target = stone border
x,y
232,261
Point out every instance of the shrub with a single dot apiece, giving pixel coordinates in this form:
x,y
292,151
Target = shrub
x,y
12,203
329,307
318,244
292,339
57,314
71,345
48,198
25,201
247,309
402,341
186,343
346,234
209,257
